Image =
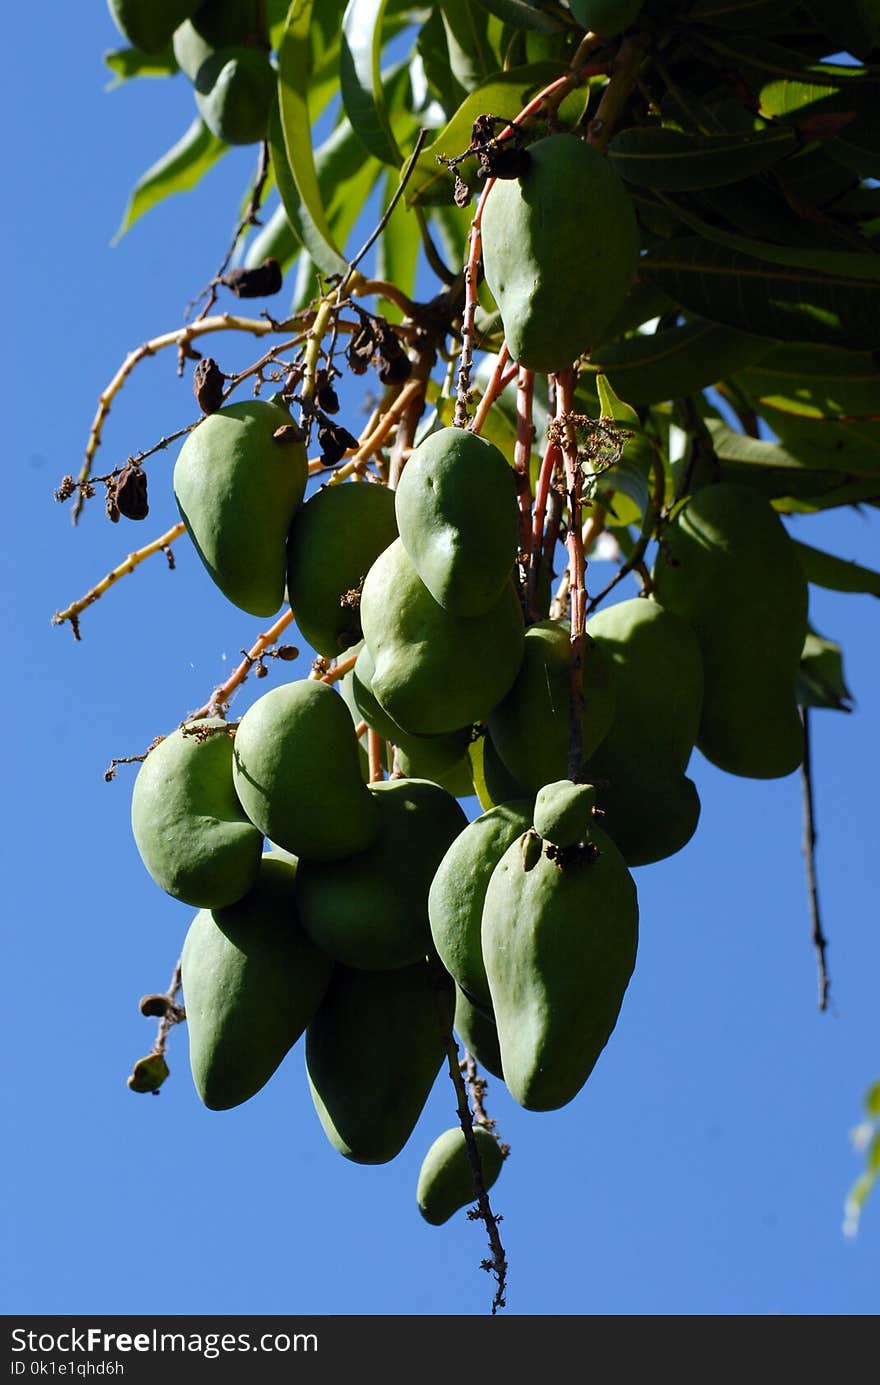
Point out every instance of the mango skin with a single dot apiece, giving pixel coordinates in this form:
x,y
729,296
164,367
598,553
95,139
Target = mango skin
x,y
529,727
446,1181
217,24
335,538
651,807
458,889
560,251
373,1051
252,981
564,812
433,671
234,90
189,827
297,773
458,518
372,912
478,1033
237,491
559,948
608,18
729,568
420,757
149,24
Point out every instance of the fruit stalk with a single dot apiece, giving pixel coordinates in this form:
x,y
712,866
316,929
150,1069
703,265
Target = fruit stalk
x,y
576,566
74,610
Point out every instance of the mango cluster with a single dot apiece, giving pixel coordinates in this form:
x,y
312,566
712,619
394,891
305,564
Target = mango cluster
x,y
371,916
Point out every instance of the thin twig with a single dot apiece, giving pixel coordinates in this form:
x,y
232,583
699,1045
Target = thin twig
x,y
73,611
386,215
820,942
576,567
249,219
221,696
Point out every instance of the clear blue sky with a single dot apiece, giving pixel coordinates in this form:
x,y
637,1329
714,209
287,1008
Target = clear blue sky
x,y
703,1168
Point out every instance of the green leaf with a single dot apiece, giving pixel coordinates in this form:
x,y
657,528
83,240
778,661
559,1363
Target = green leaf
x,y
837,574
361,78
814,382
503,94
858,150
872,1100
820,681
522,15
306,212
853,25
132,62
738,14
795,485
470,55
650,368
789,303
656,157
177,171
276,238
397,253
771,61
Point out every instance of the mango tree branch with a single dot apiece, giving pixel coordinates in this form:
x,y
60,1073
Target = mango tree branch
x,y
74,610
624,75
221,696
820,942
576,565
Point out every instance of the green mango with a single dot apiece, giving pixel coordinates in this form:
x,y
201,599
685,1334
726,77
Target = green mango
x,y
608,18
149,24
492,779
237,490
373,1051
458,889
560,251
217,24
459,520
419,757
252,981
297,773
559,943
529,728
564,812
728,566
456,778
446,1179
335,538
478,1033
434,671
650,807
234,89
189,826
373,911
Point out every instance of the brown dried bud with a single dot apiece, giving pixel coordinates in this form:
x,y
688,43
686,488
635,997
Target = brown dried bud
x,y
325,395
287,652
110,506
154,1006
461,193
334,441
130,492
394,369
208,385
261,671
260,282
66,489
360,350
505,160
289,432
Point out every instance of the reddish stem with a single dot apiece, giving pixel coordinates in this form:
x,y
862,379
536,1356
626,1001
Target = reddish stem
x,y
576,564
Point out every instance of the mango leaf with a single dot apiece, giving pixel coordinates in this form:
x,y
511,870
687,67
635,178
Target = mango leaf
x,y
837,574
503,94
652,367
522,15
858,150
820,681
433,50
853,25
177,171
771,61
306,211
815,382
790,303
126,63
276,238
735,14
470,54
793,485
655,157
361,78
397,253
872,1100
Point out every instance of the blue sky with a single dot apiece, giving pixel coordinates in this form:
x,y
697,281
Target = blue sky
x,y
703,1168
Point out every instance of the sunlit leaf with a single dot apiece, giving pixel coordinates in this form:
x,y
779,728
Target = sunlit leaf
x,y
820,680
177,171
132,62
361,78
837,574
522,14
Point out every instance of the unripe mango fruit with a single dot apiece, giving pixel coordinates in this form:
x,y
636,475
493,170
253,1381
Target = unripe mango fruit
x,y
446,1179
564,812
458,889
252,980
234,89
190,828
217,24
458,519
335,538
559,944
237,490
373,1051
435,671
651,808
529,728
478,1033
425,757
560,250
728,566
608,18
372,911
149,24
297,773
